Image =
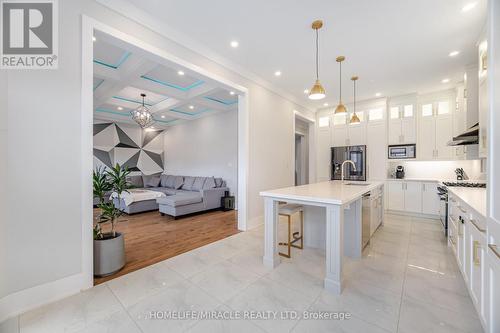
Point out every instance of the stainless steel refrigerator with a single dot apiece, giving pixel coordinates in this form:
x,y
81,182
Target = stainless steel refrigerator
x,y
357,154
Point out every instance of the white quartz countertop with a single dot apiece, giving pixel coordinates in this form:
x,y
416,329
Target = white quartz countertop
x,y
331,192
474,197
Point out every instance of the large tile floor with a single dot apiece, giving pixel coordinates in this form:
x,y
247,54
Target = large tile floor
x,y
407,281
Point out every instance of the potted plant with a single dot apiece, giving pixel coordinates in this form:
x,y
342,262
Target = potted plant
x,y
109,247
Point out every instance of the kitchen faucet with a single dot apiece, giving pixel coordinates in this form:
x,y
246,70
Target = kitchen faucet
x,y
342,168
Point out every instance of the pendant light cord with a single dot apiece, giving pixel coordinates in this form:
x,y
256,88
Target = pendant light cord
x,y
354,96
317,55
340,82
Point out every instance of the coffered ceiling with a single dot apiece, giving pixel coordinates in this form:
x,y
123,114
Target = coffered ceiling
x,y
396,47
123,72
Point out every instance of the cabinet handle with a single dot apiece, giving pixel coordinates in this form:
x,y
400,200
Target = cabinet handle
x,y
475,258
474,223
494,249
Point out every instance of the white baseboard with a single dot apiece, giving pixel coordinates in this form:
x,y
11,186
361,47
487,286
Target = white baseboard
x,y
403,213
31,298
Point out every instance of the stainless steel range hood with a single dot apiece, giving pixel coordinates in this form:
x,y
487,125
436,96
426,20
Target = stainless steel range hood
x,y
469,137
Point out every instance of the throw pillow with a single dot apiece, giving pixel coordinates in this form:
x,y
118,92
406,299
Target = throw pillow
x,y
209,183
135,181
218,182
170,182
178,182
163,180
198,183
151,180
188,183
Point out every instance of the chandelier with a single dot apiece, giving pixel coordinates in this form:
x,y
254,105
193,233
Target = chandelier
x,y
142,115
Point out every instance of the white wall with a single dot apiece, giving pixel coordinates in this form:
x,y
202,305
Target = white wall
x,y
440,170
204,147
43,123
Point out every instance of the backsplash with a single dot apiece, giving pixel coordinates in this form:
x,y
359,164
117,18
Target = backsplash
x,y
440,170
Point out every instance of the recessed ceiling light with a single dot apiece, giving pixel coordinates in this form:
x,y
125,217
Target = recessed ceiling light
x,y
445,80
231,93
163,117
152,128
454,53
325,104
468,7
378,94
94,39
180,72
306,91
277,73
119,108
191,107
234,44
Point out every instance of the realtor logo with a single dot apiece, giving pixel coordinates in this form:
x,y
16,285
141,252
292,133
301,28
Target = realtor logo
x,y
29,34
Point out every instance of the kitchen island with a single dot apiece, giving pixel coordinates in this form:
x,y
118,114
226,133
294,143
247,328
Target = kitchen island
x,y
332,221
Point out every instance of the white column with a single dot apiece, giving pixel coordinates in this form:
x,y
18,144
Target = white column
x,y
271,257
334,248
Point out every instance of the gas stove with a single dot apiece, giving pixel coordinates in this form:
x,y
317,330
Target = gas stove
x,y
464,184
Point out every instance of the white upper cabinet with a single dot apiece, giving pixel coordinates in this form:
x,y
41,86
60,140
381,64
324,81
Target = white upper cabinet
x,y
483,100
377,150
436,126
323,142
345,134
402,121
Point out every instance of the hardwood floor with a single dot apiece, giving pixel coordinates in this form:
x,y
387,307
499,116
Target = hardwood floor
x,y
151,238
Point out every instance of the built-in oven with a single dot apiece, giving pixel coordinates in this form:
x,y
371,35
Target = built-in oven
x,y
357,154
402,151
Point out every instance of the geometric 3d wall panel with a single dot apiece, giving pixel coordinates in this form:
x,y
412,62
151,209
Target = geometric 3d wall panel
x,y
137,149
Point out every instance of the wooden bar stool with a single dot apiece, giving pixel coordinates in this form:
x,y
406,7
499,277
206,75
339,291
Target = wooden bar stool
x,y
288,210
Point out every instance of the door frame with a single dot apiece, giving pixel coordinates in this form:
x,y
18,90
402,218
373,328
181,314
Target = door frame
x,y
311,137
90,24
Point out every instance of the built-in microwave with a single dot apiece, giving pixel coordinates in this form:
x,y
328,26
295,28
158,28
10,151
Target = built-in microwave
x,y
402,151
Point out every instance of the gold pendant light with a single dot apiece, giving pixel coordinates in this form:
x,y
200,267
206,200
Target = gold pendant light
x,y
354,119
340,108
317,91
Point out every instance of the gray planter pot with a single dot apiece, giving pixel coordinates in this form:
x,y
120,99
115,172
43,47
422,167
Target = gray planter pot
x,y
109,255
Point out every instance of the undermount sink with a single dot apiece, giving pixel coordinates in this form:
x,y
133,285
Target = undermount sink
x,y
357,184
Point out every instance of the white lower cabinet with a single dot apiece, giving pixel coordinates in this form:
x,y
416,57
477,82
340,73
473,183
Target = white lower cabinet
x,y
395,195
471,252
413,197
430,199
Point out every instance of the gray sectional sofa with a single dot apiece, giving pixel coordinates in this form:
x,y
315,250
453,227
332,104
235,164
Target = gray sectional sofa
x,y
184,194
